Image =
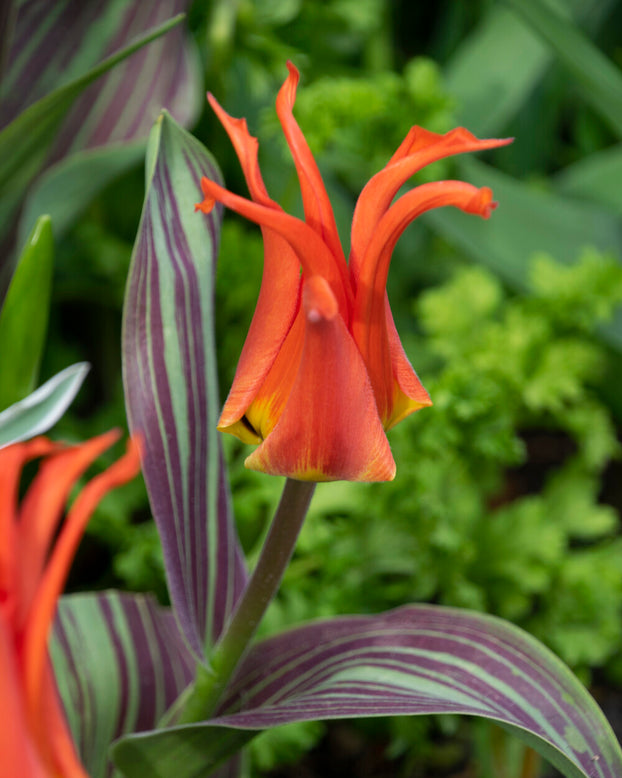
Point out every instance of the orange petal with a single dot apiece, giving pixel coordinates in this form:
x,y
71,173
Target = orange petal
x,y
17,751
42,507
369,317
313,254
278,295
266,408
12,460
317,206
41,613
419,148
409,394
329,429
246,147
278,301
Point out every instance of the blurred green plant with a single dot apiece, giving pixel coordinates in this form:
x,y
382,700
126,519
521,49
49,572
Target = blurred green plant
x,y
515,380
471,521
355,124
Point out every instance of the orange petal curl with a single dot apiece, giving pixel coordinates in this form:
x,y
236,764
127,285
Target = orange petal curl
x,y
369,325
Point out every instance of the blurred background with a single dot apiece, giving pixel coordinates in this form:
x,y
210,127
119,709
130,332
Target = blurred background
x,y
508,491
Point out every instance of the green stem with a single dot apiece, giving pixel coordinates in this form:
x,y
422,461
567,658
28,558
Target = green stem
x,y
275,555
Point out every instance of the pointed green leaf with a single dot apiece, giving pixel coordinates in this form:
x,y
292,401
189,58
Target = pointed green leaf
x,y
411,661
120,662
39,411
598,78
171,390
24,316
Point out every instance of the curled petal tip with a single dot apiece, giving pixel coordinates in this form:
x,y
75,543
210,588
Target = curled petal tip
x,y
206,206
209,202
293,70
481,203
319,301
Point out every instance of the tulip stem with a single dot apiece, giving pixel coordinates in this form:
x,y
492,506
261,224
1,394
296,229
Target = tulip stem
x,y
277,550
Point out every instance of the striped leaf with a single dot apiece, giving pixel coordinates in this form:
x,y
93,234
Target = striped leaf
x,y
55,43
120,662
25,143
61,49
414,660
24,316
170,384
39,411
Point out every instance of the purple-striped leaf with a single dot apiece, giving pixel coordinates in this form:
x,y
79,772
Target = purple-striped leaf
x,y
59,54
170,384
414,660
120,662
54,43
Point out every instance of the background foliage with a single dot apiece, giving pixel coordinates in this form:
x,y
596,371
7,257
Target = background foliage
x,y
507,497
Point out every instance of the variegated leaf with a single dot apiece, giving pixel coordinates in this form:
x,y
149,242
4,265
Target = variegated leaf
x,y
414,660
170,384
58,51
54,43
120,662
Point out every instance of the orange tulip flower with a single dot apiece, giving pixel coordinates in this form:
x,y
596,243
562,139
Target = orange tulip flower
x,y
35,741
323,374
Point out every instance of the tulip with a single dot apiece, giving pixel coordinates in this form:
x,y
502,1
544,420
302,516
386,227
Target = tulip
x,y
35,556
323,375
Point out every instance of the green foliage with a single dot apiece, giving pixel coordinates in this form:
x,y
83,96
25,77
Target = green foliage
x,y
470,520
238,278
496,503
24,315
284,745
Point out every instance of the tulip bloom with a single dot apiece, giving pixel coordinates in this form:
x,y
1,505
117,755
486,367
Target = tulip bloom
x,y
35,741
323,374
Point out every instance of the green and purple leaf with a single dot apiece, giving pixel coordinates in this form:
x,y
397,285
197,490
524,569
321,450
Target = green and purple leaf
x,y
171,388
54,43
120,662
65,190
58,51
414,660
